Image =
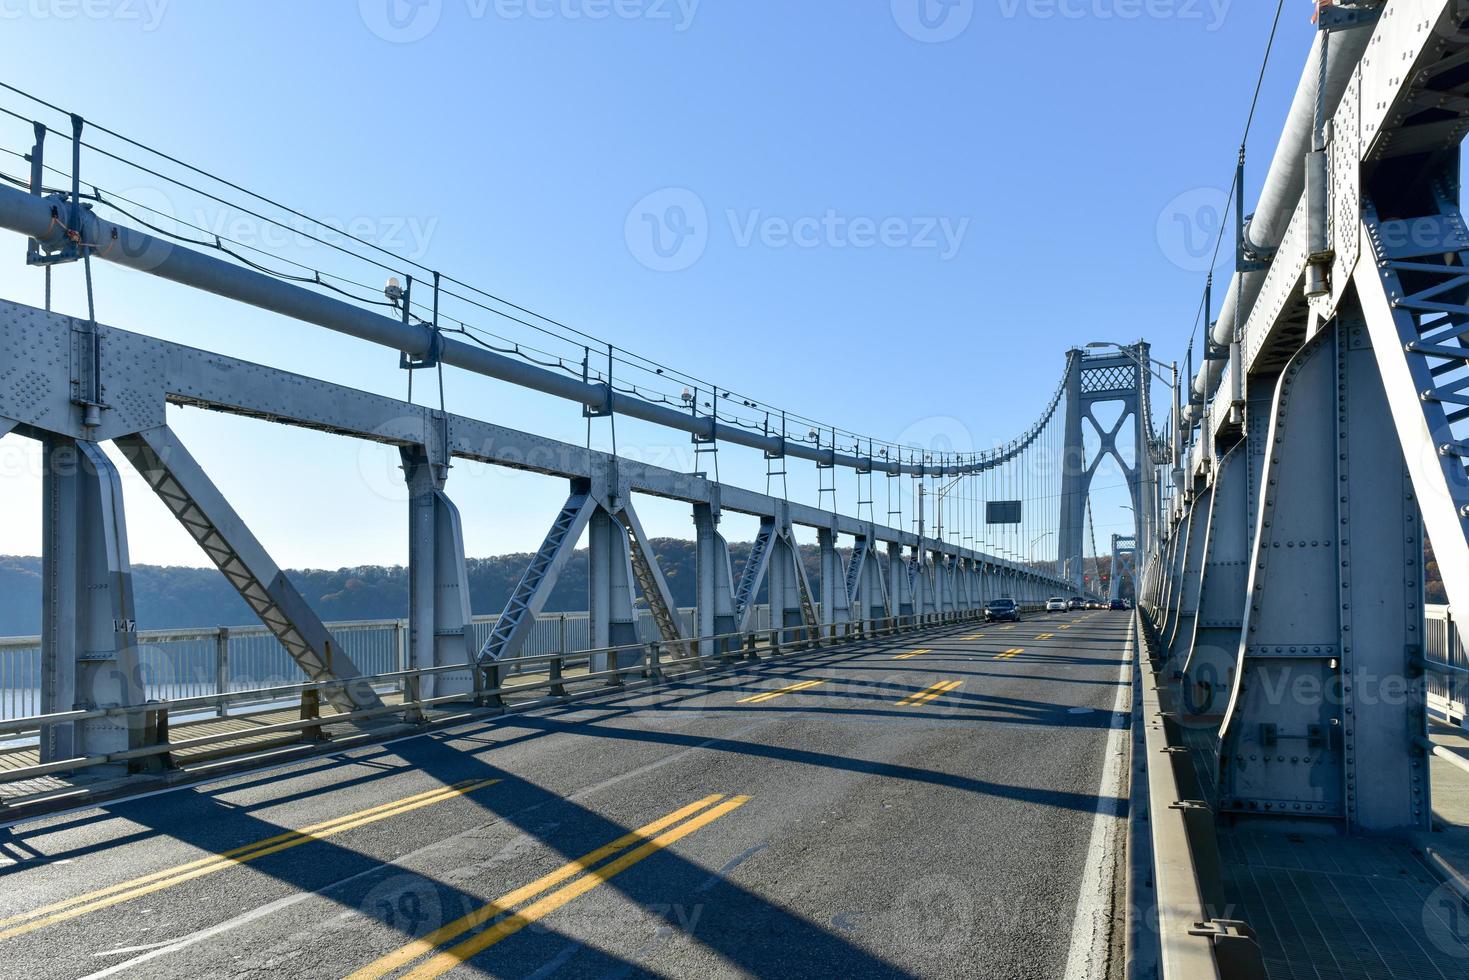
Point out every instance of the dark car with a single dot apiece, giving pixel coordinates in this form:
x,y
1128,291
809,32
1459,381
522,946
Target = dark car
x,y
1117,604
999,610
1076,602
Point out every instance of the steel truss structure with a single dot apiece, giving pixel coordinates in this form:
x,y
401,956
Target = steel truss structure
x,y
88,646
1287,579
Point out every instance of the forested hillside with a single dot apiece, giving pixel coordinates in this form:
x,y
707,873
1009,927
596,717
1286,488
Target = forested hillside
x,y
172,597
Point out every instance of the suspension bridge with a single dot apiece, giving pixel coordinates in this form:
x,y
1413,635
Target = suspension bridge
x,y
1237,750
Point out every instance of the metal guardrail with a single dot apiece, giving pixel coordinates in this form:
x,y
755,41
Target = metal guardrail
x,y
1192,942
488,696
191,663
1447,664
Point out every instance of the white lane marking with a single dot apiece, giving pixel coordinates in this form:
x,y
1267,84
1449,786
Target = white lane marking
x,y
132,949
184,942
1091,927
203,934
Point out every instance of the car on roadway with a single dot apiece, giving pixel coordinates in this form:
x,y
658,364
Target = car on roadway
x,y
1056,603
1076,602
1117,605
1000,610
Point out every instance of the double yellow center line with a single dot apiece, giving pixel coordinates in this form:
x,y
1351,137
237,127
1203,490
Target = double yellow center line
x,y
1044,636
70,908
1010,653
930,693
585,873
913,653
767,695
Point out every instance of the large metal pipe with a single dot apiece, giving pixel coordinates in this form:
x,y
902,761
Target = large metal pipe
x,y
1285,181
43,218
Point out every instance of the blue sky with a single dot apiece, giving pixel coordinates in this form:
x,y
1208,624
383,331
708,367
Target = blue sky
x,y
900,213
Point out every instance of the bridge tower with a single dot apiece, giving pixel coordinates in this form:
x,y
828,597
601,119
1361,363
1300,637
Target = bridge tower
x,y
1092,379
1124,559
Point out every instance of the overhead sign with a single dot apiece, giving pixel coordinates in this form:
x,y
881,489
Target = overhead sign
x,y
1002,512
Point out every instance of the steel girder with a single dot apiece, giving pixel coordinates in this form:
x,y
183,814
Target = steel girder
x,y
89,651
188,493
1321,721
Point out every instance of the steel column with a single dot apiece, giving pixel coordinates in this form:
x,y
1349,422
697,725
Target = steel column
x,y
610,591
714,581
440,631
89,649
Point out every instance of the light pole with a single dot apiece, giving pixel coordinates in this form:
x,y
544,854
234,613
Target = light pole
x,y
1030,551
939,494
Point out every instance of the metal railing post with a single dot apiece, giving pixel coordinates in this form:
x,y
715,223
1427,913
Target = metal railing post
x,y
412,692
488,679
400,652
222,668
311,711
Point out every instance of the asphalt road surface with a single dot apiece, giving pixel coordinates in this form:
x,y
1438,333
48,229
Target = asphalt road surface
x,y
925,806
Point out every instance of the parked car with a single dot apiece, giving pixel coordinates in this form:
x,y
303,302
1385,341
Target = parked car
x,y
999,610
1117,604
1056,603
1076,602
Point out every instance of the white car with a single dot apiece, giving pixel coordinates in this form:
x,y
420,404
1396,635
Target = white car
x,y
1055,604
